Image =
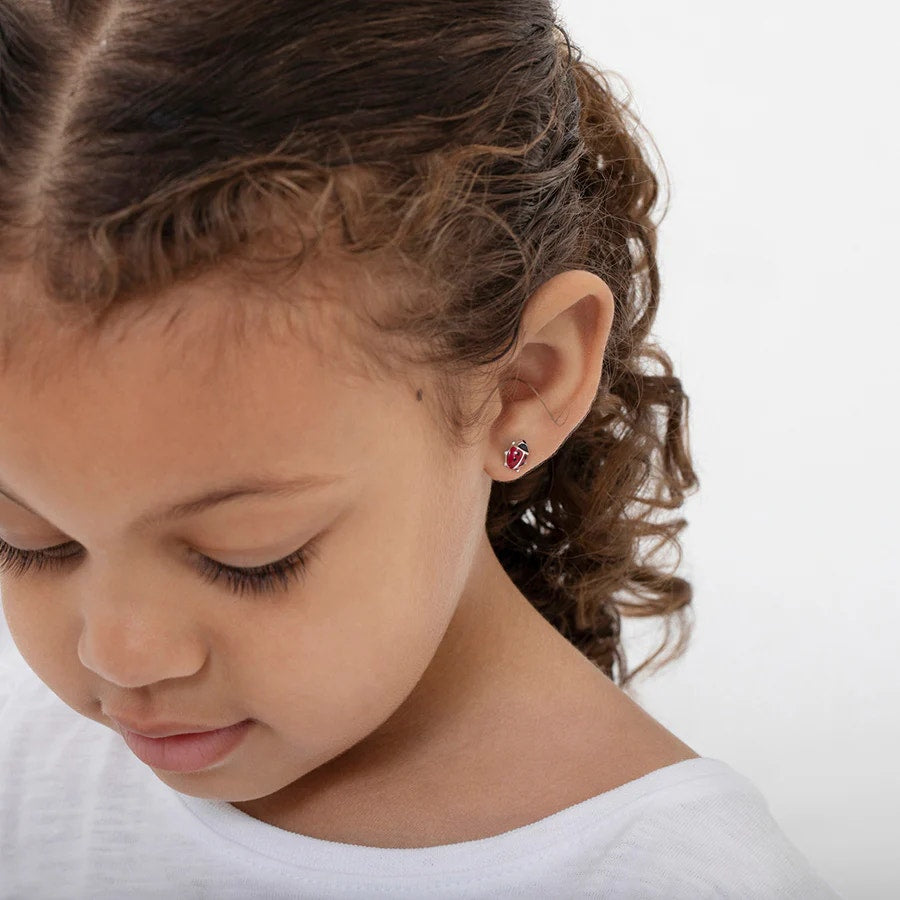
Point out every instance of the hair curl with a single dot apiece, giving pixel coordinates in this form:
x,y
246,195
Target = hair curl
x,y
461,152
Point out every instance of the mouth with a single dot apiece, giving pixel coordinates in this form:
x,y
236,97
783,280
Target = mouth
x,y
186,751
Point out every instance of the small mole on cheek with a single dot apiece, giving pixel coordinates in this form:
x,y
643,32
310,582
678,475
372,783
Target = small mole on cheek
x,y
419,394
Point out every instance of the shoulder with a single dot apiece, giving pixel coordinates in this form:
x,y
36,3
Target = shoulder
x,y
682,831
706,833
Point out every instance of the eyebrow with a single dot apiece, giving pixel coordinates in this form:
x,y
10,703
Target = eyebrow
x,y
250,486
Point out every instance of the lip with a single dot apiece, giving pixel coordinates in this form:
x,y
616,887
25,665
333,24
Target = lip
x,y
186,751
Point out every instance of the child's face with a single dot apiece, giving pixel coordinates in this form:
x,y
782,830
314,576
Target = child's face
x,y
130,626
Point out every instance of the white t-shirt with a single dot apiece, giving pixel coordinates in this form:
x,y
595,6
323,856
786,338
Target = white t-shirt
x,y
81,817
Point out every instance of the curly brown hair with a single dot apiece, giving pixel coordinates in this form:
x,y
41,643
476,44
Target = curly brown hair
x,y
459,153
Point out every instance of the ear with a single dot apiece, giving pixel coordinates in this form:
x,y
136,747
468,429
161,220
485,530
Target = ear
x,y
557,365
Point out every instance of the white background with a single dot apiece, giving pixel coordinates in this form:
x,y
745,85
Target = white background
x,y
777,124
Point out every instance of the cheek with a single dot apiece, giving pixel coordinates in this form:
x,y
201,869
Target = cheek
x,y
356,639
352,660
45,637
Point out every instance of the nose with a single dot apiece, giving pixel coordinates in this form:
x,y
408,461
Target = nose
x,y
127,646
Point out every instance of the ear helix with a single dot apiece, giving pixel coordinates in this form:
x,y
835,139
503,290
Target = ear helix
x,y
514,458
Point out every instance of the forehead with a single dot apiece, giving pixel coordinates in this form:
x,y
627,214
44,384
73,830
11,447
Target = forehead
x,y
210,374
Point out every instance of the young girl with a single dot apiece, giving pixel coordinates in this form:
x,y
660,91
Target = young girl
x,y
328,440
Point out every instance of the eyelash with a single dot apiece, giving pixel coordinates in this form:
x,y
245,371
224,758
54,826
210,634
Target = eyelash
x,y
258,580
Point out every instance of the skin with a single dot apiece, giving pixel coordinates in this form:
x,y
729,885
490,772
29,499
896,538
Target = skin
x,y
405,689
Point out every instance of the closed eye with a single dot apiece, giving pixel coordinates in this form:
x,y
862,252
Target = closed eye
x,y
264,579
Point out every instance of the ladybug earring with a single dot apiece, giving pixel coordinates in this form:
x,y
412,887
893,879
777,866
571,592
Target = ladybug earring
x,y
515,457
